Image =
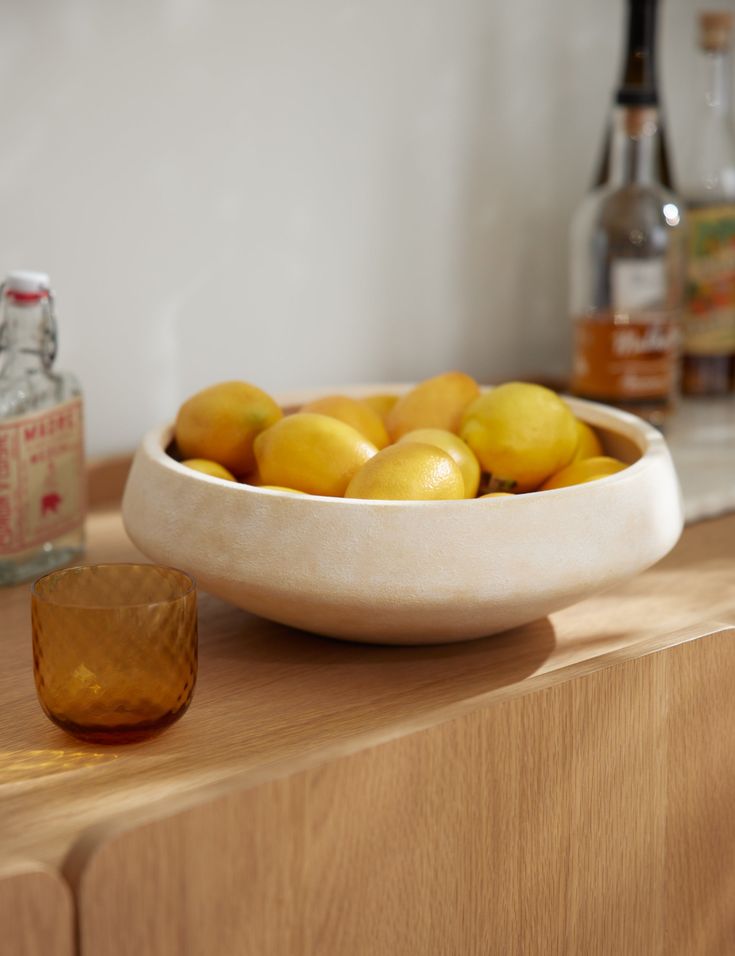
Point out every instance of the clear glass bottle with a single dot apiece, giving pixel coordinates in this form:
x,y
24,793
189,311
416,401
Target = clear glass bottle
x,y
628,249
639,85
42,476
708,364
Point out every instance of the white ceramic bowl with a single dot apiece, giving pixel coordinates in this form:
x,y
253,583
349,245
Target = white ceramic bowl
x,y
409,572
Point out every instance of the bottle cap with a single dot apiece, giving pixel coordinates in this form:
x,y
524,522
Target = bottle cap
x,y
714,30
27,286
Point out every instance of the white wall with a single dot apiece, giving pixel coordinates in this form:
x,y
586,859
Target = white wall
x,y
299,192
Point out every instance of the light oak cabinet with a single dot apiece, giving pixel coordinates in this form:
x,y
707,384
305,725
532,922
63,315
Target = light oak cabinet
x,y
566,788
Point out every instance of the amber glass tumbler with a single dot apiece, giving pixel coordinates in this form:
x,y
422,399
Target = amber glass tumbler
x,y
114,649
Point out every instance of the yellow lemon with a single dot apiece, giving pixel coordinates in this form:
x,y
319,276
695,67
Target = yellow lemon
x,y
381,404
409,471
312,453
220,424
498,494
437,402
521,433
588,444
453,445
579,472
353,411
209,468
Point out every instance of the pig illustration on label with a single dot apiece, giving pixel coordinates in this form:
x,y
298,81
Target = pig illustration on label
x,y
50,503
50,496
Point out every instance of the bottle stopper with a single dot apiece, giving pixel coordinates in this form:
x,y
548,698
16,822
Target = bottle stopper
x,y
715,28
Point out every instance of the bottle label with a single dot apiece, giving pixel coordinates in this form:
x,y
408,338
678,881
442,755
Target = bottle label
x,y
637,283
634,359
42,478
709,319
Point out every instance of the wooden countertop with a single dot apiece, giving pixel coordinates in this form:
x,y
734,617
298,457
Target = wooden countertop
x,y
270,699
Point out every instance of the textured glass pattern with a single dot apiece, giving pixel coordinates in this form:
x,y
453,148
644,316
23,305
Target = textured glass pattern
x,y
114,649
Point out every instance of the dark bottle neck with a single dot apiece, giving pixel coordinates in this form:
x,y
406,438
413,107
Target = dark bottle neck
x,y
638,86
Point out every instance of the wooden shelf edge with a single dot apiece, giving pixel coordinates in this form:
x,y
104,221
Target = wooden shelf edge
x,y
95,837
37,909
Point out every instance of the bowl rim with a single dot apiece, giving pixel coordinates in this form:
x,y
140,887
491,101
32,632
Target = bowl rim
x,y
650,442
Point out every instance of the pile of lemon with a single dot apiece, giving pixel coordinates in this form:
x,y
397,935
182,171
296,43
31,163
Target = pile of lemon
x,y
443,439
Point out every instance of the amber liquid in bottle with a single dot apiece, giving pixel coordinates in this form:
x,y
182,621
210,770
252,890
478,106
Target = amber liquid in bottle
x,y
628,361
627,269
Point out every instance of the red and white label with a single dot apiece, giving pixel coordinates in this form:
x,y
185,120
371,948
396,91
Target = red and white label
x,y
42,479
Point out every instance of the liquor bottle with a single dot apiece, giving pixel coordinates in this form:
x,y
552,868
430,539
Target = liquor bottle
x,y
638,84
708,365
42,480
628,250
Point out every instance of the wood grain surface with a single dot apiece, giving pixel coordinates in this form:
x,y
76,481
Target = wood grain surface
x,y
272,703
267,694
36,911
591,818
